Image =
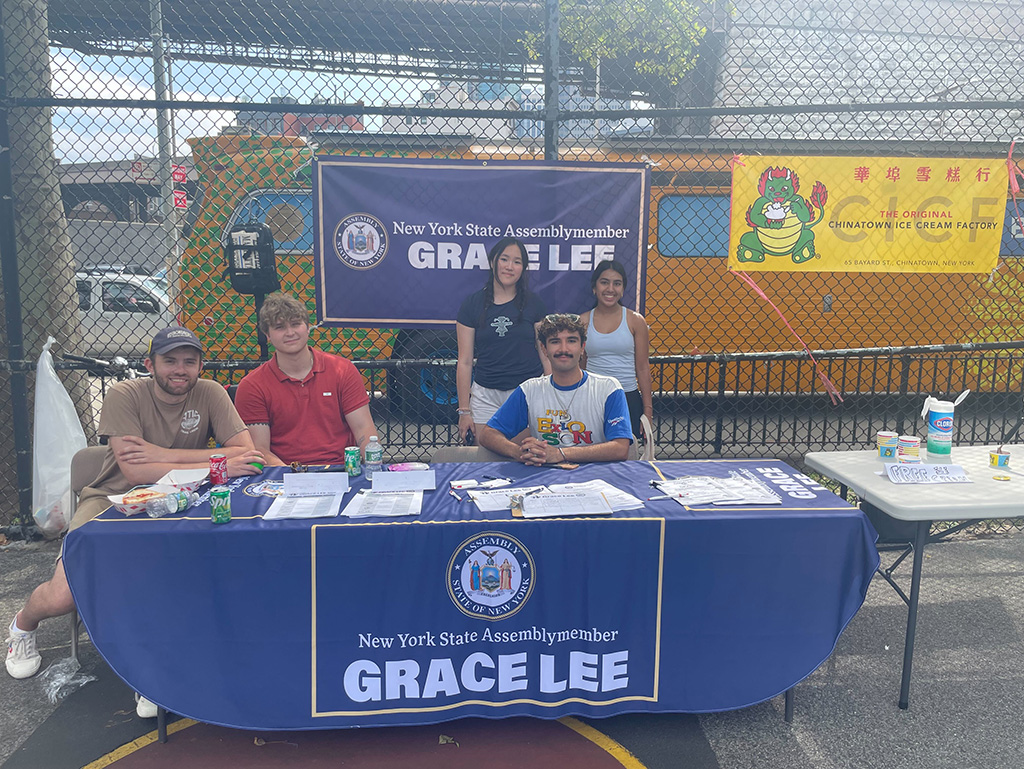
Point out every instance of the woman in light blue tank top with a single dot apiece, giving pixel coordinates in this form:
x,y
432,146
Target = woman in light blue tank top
x,y
618,340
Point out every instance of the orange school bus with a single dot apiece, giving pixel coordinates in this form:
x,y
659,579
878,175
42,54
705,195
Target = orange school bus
x,y
693,303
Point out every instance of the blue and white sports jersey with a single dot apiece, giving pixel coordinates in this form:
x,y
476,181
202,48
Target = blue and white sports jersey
x,y
592,411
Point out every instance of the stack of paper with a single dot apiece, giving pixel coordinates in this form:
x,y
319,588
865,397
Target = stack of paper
x,y
617,498
309,495
369,504
493,500
303,507
566,503
737,489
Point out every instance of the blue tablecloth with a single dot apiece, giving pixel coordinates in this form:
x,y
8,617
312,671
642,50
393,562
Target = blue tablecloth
x,y
455,613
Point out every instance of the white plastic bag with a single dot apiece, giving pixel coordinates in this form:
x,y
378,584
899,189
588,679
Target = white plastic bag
x,y
57,435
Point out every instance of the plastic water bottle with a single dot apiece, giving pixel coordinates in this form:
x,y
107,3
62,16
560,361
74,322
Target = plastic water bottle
x,y
374,457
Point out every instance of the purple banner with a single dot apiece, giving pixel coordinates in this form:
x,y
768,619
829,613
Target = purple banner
x,y
403,242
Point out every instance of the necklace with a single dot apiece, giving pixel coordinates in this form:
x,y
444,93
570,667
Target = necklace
x,y
565,407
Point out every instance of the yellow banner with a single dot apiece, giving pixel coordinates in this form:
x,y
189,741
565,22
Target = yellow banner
x,y
831,214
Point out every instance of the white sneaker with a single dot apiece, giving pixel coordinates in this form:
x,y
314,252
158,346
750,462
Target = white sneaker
x,y
144,708
22,658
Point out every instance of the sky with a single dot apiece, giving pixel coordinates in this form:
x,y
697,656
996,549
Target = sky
x,y
109,134
97,134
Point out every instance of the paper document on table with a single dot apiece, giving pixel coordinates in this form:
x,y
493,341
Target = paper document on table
x,y
747,492
695,490
303,507
566,503
314,484
617,498
924,473
738,489
494,500
384,504
409,480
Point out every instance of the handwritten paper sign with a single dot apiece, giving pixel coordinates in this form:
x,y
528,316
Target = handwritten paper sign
x,y
922,473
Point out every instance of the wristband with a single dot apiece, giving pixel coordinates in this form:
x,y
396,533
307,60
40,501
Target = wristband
x,y
563,454
464,412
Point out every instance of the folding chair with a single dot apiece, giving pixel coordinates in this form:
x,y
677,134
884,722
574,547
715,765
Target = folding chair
x,y
648,431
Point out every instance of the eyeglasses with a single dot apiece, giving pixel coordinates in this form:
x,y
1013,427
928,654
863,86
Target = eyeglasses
x,y
557,316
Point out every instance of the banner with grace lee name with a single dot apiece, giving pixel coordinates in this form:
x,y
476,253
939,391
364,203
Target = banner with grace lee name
x,y
402,242
487,618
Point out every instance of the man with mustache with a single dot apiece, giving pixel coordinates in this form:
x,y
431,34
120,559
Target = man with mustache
x,y
572,415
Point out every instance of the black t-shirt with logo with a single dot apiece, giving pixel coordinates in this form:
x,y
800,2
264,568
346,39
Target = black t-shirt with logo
x,y
505,342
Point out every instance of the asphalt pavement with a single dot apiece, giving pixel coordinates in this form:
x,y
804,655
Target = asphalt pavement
x,y
966,700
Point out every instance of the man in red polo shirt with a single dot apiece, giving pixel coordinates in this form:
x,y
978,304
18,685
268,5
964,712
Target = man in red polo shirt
x,y
302,405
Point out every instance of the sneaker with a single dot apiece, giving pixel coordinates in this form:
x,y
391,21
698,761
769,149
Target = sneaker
x,y
22,658
144,708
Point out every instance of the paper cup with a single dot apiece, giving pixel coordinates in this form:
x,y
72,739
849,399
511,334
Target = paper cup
x,y
886,442
909,445
999,458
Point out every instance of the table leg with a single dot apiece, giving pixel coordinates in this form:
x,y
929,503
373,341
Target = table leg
x,y
790,696
161,724
920,537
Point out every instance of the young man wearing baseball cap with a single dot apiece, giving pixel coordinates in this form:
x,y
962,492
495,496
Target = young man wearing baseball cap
x,y
154,425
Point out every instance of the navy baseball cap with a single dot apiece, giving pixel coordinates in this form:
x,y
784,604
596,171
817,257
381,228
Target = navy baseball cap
x,y
167,339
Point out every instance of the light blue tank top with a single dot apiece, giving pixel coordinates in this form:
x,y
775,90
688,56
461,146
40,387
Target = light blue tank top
x,y
613,354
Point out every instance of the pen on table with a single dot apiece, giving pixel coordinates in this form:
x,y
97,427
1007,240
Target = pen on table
x,y
495,478
666,496
532,491
452,492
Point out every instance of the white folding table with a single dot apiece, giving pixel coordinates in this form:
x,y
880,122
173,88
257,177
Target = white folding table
x,y
923,504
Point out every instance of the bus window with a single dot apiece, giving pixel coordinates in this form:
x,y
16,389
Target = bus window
x,y
1013,239
693,225
288,213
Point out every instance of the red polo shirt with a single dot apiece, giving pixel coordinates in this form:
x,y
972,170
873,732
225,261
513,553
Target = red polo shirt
x,y
307,418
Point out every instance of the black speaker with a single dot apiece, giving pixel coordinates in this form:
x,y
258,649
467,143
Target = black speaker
x,y
252,264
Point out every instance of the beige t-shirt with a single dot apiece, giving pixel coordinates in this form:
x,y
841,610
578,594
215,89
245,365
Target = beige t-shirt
x,y
131,408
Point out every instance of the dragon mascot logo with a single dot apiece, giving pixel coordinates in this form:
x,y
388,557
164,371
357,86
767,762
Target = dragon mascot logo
x,y
782,219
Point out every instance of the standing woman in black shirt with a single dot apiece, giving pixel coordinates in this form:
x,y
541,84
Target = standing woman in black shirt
x,y
497,325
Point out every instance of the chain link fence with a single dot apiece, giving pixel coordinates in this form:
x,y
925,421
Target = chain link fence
x,y
140,132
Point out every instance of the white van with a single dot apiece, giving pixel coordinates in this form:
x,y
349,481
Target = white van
x,y
120,312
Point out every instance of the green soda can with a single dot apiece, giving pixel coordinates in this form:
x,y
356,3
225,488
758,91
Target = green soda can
x,y
353,460
220,504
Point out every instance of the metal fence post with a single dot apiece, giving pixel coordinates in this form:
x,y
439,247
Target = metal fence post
x,y
720,407
12,302
165,147
905,362
551,24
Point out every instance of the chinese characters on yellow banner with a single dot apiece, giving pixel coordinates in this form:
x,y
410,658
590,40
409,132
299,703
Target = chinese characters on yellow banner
x,y
832,214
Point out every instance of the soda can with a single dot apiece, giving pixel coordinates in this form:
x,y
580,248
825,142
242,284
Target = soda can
x,y
352,461
220,504
218,469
